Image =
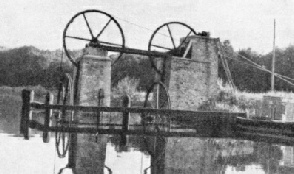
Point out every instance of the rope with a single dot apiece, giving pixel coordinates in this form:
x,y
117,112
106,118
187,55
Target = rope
x,y
266,70
276,74
134,24
255,65
259,66
226,67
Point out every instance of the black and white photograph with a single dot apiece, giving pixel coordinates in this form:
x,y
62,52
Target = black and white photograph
x,y
147,87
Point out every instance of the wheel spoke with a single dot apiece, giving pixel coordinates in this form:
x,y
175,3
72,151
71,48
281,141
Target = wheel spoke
x,y
78,38
157,46
87,23
185,38
104,28
171,37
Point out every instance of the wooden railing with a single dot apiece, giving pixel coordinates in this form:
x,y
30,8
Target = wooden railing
x,y
191,123
172,123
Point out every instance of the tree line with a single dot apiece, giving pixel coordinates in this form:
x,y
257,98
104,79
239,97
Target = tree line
x,y
22,67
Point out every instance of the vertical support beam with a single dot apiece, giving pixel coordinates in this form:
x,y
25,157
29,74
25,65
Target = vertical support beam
x,y
100,104
72,150
158,157
273,60
126,102
47,120
26,114
32,97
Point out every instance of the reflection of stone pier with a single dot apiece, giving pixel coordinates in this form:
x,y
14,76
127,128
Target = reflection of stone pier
x,y
189,155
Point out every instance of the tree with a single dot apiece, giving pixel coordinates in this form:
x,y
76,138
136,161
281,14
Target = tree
x,y
126,86
133,66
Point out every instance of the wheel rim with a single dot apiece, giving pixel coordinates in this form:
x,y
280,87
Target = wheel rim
x,y
62,138
163,102
94,38
175,46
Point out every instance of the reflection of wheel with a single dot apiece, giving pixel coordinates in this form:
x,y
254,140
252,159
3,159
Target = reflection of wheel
x,y
161,100
92,27
171,38
156,122
64,97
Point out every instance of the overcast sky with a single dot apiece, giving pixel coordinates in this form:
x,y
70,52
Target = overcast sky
x,y
246,23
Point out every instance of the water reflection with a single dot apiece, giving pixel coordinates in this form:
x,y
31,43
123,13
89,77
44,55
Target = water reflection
x,y
208,156
155,156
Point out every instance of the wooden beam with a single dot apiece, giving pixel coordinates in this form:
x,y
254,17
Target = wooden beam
x,y
26,114
173,113
93,130
238,135
133,51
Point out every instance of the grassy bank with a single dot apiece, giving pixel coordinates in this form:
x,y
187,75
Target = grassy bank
x,y
233,100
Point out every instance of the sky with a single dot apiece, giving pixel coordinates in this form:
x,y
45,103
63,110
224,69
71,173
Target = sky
x,y
249,23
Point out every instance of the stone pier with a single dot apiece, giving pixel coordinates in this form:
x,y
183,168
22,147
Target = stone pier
x,y
190,81
93,89
193,80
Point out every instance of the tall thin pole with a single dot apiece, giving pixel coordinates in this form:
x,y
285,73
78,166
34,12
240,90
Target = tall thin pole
x,y
273,60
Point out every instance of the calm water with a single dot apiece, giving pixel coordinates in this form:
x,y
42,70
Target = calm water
x,y
180,155
177,155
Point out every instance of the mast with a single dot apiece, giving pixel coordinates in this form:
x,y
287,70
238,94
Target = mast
x,y
273,60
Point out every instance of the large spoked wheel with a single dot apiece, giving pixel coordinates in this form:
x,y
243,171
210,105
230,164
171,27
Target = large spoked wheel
x,y
161,100
169,38
95,28
64,118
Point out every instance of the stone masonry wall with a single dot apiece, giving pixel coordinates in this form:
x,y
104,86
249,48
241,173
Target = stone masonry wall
x,y
95,75
190,83
193,81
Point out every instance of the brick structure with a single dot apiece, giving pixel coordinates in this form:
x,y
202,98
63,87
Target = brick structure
x,y
94,73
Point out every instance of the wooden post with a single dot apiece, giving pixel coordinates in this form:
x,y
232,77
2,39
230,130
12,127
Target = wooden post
x,y
72,150
47,120
26,114
100,104
125,103
273,60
